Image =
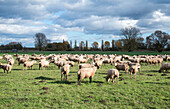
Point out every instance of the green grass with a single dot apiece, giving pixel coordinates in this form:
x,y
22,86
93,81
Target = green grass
x,y
23,89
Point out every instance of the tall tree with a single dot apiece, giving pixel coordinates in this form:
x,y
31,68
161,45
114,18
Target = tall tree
x,y
70,44
158,40
82,45
130,37
118,45
75,45
40,41
102,45
86,45
106,45
113,46
95,45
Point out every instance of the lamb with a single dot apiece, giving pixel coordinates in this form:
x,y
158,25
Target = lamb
x,y
165,66
65,70
44,63
6,67
133,70
86,73
112,74
123,67
29,64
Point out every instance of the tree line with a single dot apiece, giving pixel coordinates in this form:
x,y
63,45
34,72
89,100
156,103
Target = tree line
x,y
131,39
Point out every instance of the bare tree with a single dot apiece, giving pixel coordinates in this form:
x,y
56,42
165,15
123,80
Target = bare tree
x,y
158,40
131,35
40,41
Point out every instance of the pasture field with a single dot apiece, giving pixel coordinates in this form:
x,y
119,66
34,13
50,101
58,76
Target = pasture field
x,y
43,88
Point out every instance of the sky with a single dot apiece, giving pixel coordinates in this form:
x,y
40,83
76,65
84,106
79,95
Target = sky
x,y
81,20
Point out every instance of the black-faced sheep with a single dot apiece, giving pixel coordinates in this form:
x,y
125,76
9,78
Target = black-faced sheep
x,y
6,67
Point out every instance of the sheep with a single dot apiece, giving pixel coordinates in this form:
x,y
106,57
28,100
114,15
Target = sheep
x,y
86,73
11,61
22,60
65,70
98,64
123,67
137,64
112,74
133,70
85,66
6,67
44,63
165,66
29,64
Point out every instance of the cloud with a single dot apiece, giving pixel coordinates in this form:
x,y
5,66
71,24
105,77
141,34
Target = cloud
x,y
94,19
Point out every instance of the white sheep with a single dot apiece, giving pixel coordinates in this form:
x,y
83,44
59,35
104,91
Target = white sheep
x,y
133,70
29,64
44,63
86,73
65,70
112,74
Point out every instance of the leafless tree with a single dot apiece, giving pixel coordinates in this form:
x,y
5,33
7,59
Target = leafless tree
x,y
40,41
130,37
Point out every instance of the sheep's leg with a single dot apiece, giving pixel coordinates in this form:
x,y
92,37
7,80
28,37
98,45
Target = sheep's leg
x,y
78,77
4,70
117,79
61,76
113,80
90,79
79,82
66,77
7,71
131,74
135,75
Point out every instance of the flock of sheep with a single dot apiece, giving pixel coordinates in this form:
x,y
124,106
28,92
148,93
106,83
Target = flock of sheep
x,y
129,64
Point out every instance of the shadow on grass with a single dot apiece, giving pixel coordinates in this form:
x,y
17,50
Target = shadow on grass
x,y
44,78
73,82
165,83
17,69
62,82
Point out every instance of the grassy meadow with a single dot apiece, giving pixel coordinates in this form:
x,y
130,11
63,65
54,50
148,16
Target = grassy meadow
x,y
44,89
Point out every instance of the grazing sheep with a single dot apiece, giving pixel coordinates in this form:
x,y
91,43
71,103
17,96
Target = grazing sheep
x,y
112,74
85,66
86,73
10,61
133,70
6,67
29,64
137,64
65,70
98,64
22,60
123,67
165,66
44,63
